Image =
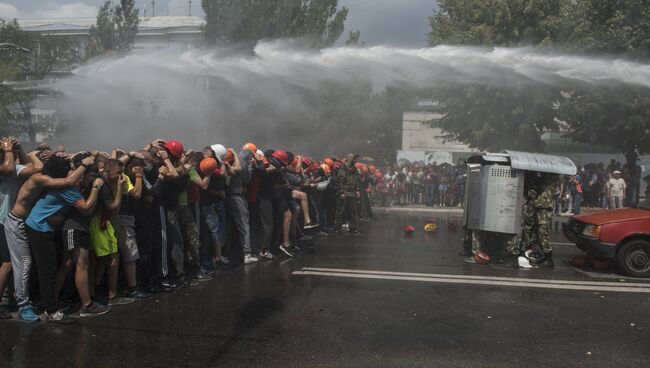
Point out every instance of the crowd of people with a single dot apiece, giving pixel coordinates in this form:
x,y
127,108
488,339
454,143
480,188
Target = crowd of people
x,y
104,229
597,186
424,184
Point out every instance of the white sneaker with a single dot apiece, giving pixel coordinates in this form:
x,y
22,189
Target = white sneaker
x,y
225,260
248,259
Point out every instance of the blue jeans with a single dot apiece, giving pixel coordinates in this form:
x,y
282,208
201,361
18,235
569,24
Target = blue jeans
x,y
215,217
577,201
429,193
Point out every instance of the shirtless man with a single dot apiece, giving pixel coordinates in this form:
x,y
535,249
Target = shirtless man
x,y
17,241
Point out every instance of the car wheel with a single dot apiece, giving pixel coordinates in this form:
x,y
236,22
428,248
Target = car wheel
x,y
633,258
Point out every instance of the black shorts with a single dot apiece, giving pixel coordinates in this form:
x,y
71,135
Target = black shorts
x,y
75,239
5,256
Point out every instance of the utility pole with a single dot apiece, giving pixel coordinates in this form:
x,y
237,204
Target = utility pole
x,y
189,8
153,8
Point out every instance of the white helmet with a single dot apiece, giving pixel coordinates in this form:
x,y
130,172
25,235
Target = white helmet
x,y
220,151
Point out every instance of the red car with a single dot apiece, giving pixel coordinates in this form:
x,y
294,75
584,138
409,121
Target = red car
x,y
622,235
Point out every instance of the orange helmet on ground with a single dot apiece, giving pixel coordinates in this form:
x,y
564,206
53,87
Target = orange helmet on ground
x,y
175,148
208,166
481,258
251,147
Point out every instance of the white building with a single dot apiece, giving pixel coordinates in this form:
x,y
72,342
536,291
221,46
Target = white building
x,y
423,142
183,32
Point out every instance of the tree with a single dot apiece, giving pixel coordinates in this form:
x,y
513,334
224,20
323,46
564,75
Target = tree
x,y
354,39
116,28
495,117
318,22
32,57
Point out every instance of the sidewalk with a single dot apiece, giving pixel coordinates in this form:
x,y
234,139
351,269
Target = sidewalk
x,y
456,210
419,209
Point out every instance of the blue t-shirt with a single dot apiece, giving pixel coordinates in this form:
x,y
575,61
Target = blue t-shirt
x,y
58,200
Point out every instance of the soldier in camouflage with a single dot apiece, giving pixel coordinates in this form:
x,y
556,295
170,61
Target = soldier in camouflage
x,y
347,192
543,209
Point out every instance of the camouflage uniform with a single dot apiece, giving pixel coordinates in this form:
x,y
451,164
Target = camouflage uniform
x,y
347,185
528,224
543,206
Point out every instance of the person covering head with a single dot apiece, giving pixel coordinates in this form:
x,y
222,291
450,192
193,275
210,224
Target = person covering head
x,y
350,158
220,151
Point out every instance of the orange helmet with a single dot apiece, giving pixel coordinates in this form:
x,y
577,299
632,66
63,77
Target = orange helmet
x,y
329,162
208,166
251,147
326,168
481,258
358,165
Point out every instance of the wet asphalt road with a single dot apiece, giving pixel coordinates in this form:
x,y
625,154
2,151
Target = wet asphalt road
x,y
263,315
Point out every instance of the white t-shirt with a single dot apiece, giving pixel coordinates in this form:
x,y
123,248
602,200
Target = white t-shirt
x,y
616,187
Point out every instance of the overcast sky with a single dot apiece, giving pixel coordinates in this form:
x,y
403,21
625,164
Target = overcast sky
x,y
395,22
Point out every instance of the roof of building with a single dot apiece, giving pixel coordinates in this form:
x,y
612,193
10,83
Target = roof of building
x,y
84,24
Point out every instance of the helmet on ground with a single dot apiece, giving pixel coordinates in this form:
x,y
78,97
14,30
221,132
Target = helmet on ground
x,y
279,158
408,229
251,147
220,152
174,147
208,165
481,258
430,227
326,168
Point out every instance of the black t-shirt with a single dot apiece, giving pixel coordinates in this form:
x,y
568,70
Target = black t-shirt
x,y
217,183
75,219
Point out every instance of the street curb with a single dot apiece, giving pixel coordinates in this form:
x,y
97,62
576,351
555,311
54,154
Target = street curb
x,y
458,211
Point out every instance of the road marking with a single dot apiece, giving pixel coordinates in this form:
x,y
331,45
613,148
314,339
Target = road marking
x,y
562,243
478,280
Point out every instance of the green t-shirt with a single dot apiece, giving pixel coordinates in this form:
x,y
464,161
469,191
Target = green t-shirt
x,y
182,197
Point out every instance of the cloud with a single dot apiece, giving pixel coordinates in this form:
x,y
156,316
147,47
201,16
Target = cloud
x,y
72,10
8,11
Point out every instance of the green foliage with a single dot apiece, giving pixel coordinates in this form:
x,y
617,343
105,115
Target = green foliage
x,y
483,116
494,22
115,29
354,39
497,118
318,22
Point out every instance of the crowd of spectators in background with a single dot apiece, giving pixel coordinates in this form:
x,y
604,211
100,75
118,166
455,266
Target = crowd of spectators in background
x,y
419,184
